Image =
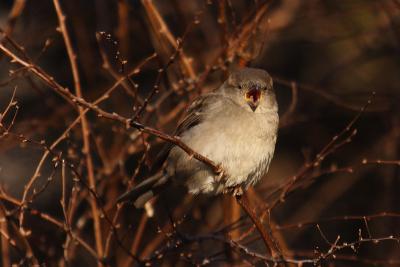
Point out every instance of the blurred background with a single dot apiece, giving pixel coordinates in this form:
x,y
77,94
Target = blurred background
x,y
330,197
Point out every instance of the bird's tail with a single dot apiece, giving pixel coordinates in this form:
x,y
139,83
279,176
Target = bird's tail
x,y
144,191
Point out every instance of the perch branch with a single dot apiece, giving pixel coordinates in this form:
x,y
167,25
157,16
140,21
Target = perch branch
x,y
271,245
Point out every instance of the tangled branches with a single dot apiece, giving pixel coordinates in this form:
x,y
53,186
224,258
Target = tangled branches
x,y
86,107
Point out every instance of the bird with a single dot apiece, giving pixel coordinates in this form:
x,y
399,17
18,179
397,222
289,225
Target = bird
x,y
235,126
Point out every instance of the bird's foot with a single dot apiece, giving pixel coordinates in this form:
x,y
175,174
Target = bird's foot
x,y
237,191
221,174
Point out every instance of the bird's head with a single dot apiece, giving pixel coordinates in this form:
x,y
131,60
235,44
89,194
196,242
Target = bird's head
x,y
252,89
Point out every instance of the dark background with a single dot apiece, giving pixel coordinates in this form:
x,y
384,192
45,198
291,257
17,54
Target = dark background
x,y
326,57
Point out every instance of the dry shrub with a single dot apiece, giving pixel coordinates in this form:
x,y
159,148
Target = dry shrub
x,y
91,90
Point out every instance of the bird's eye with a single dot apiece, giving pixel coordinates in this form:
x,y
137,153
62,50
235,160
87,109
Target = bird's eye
x,y
240,87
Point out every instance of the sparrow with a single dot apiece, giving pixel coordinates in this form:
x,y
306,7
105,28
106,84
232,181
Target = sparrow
x,y
235,126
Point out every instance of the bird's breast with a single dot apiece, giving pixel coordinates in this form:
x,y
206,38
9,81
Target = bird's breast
x,y
243,145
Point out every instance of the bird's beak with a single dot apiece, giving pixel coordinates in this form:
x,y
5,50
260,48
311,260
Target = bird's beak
x,y
253,97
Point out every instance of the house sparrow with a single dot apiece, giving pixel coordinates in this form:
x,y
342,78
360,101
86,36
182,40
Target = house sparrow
x,y
234,126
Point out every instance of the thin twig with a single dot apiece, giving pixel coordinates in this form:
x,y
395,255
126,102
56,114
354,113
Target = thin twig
x,y
85,127
5,240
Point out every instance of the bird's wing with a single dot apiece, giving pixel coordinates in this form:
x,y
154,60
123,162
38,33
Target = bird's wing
x,y
195,112
193,116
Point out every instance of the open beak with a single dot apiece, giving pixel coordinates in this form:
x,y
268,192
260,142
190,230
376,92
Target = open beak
x,y
253,98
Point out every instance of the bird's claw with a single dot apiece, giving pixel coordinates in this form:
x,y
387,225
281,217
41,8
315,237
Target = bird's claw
x,y
237,191
220,173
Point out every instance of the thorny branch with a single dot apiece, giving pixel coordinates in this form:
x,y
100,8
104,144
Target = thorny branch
x,y
91,161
